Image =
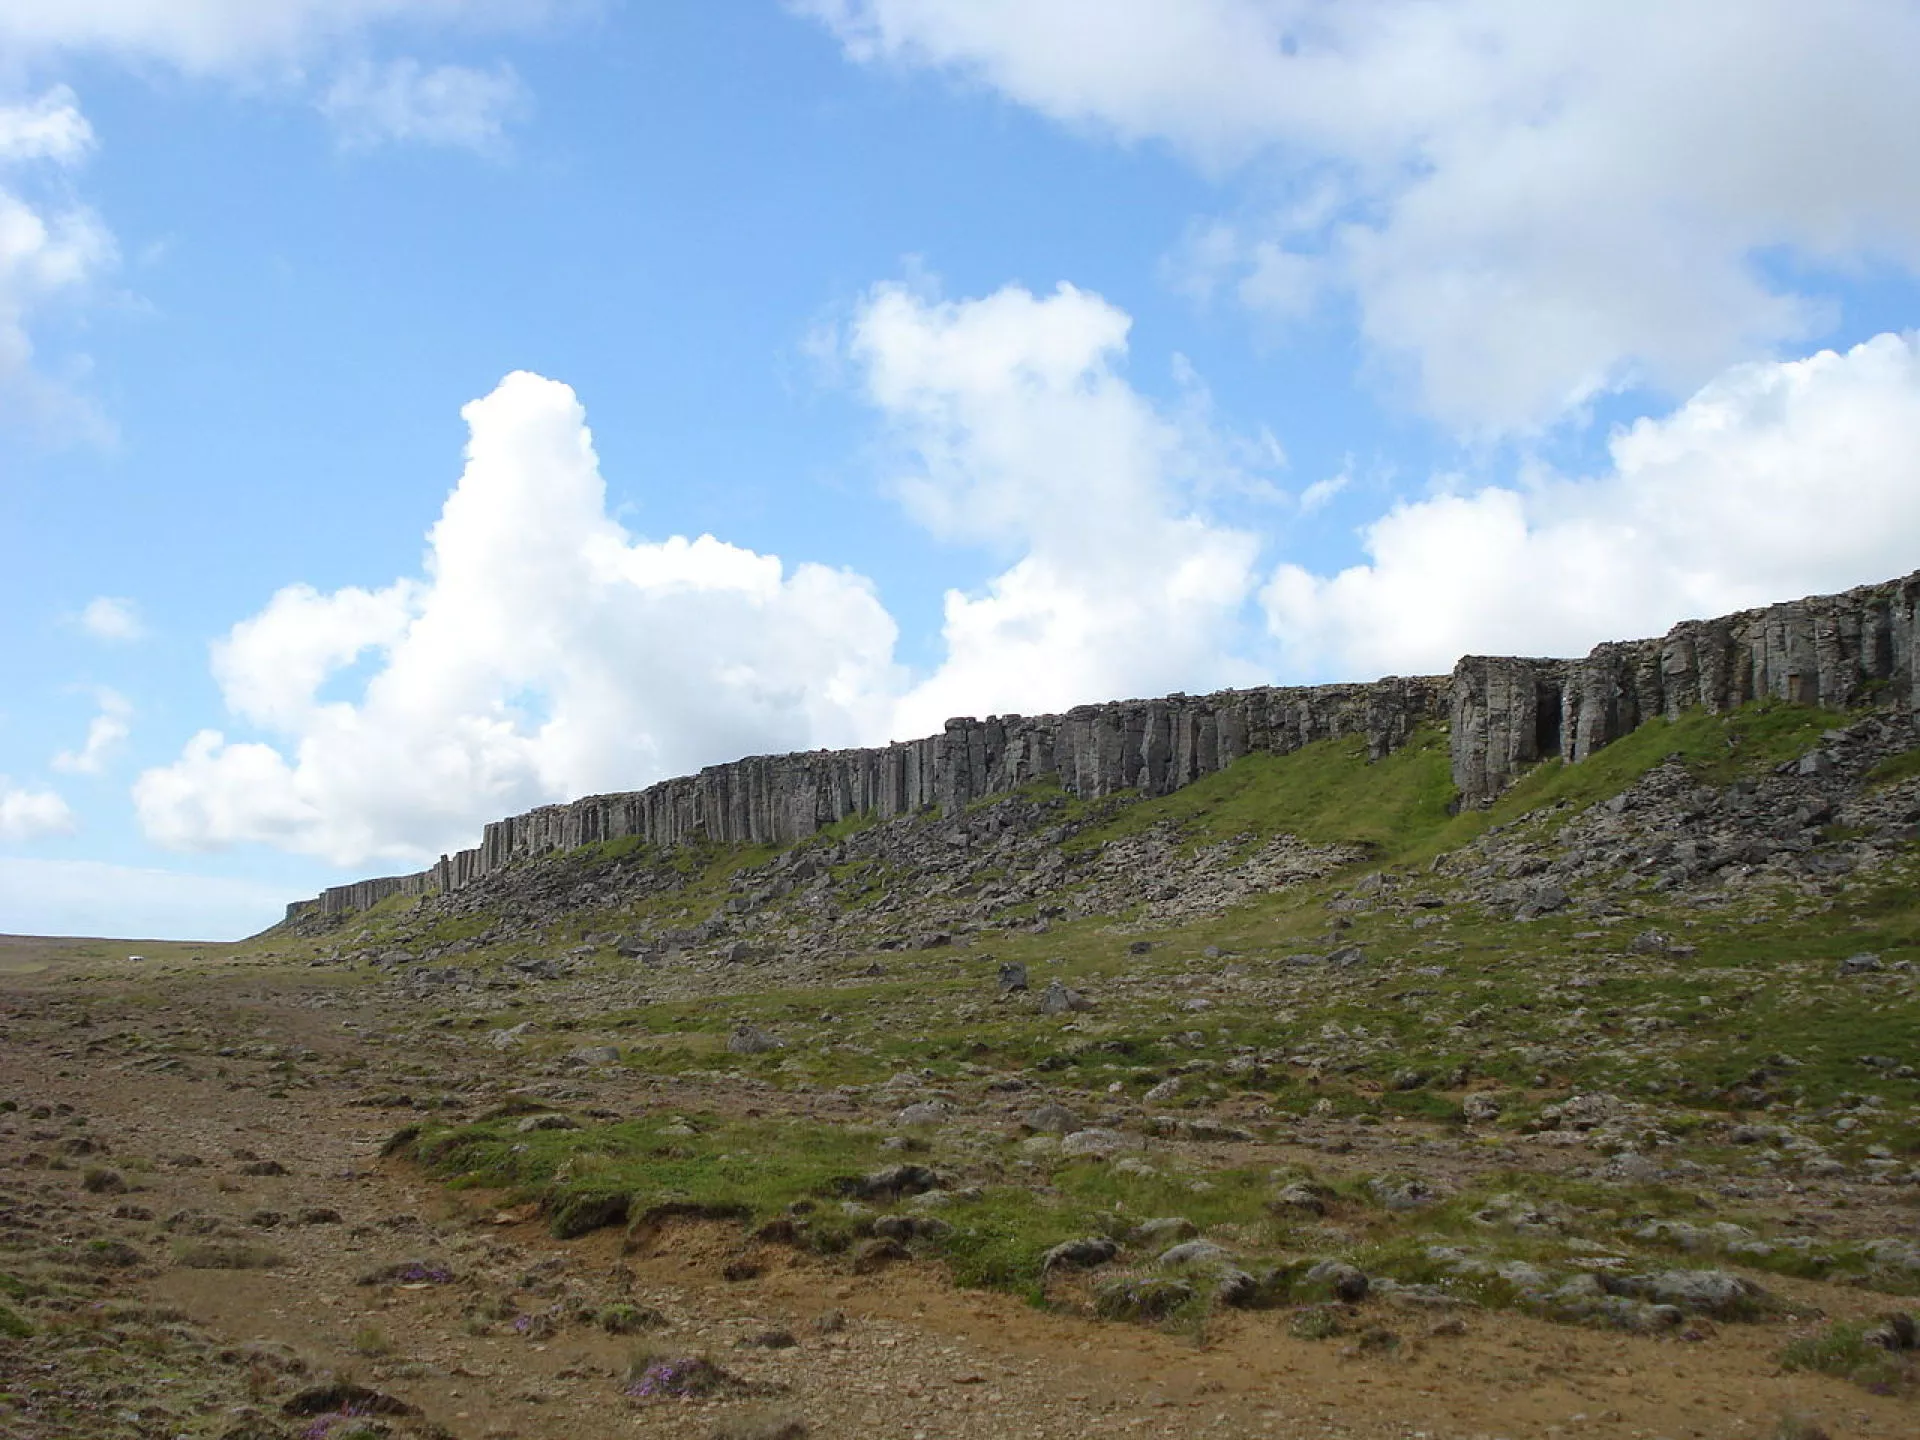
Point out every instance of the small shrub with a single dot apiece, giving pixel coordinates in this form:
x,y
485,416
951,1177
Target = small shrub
x,y
1316,1322
401,1141
577,1215
1895,768
1375,1340
630,1319
110,1254
14,1325
407,1272
1141,1299
679,1377
98,1180
499,1306
541,1324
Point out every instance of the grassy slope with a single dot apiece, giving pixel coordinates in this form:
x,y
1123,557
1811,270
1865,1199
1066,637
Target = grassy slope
x,y
1324,792
1401,808
1680,1034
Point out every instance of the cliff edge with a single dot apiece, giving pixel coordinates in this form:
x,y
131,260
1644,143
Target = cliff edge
x,y
1504,714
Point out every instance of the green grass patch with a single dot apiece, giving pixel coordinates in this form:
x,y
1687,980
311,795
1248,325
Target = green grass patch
x,y
626,849
997,1241
1895,768
614,1174
1327,792
1401,806
1843,1350
841,829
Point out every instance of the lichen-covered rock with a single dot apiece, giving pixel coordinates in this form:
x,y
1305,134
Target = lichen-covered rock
x,y
1164,1230
752,1040
1051,1119
1717,1293
1095,1144
1196,1252
1339,1280
896,1182
1061,999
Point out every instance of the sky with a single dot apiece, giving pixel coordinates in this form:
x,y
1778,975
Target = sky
x,y
416,411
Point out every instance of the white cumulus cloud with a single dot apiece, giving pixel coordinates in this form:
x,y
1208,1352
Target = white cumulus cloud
x,y
32,814
1531,205
1018,431
545,653
107,732
402,100
1776,480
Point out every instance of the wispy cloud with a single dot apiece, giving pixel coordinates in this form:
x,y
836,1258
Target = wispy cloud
x,y
114,619
106,733
51,248
405,102
1321,493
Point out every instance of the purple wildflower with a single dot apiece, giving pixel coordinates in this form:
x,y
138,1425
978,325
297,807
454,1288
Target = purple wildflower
x,y
677,1378
323,1424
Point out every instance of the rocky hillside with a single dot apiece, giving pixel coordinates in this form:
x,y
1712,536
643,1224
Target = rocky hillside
x,y
1503,715
1768,801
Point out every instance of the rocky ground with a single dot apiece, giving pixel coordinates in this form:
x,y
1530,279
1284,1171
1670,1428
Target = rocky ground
x,y
1290,1106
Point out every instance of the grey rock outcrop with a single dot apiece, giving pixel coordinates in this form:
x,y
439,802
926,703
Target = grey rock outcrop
x,y
1152,746
1832,650
1505,714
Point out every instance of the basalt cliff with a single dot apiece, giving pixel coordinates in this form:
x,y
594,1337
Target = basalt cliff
x,y
1503,714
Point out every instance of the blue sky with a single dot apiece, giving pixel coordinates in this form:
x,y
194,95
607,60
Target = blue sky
x,y
937,358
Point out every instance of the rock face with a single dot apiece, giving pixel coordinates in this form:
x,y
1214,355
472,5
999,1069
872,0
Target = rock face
x,y
1505,714
1153,746
1832,650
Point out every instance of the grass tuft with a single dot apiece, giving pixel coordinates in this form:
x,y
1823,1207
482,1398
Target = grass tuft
x,y
1845,1350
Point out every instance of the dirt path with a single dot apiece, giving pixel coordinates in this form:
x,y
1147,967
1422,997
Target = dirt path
x,y
182,1093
